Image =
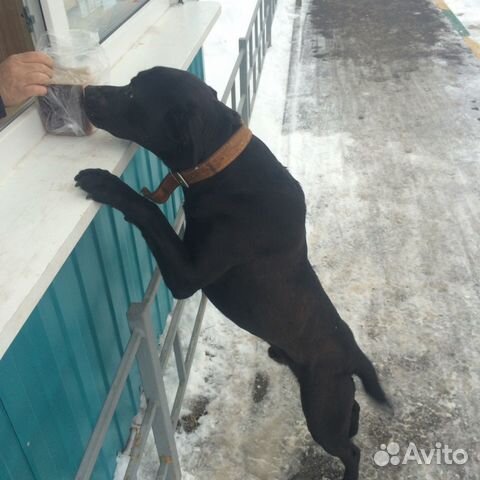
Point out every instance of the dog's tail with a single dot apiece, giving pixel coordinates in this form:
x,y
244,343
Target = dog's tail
x,y
367,374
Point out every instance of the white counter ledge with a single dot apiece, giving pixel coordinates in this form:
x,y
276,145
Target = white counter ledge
x,y
42,214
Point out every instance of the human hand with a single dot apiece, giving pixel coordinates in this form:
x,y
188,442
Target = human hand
x,y
24,75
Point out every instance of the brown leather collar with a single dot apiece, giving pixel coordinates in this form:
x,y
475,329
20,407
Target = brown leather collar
x,y
221,159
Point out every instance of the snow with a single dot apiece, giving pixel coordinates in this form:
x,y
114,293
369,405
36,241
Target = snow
x,y
395,245
468,12
221,47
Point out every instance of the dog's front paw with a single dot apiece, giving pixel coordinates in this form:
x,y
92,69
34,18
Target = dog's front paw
x,y
104,187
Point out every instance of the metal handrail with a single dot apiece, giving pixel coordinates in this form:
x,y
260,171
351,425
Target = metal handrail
x,y
249,62
260,3
101,428
141,346
233,77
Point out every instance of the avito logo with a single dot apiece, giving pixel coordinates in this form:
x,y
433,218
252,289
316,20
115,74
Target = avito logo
x,y
391,454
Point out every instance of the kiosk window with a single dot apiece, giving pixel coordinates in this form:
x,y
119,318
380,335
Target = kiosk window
x,y
16,36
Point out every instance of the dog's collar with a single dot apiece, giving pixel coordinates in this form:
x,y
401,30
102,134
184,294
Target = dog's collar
x,y
221,159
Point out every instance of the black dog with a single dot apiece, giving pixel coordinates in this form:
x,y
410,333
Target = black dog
x,y
244,243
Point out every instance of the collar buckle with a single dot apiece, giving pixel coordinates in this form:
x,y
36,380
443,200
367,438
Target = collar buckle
x,y
180,179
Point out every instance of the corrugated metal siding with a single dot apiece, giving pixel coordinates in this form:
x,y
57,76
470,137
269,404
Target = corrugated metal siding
x,y
55,376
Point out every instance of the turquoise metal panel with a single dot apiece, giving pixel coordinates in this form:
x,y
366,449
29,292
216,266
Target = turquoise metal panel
x,y
13,463
55,376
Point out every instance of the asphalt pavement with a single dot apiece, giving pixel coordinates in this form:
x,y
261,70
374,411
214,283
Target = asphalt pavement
x,y
386,94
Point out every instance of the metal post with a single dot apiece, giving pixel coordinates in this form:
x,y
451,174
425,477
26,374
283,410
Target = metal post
x,y
140,442
244,87
263,12
154,389
257,63
177,346
234,96
269,22
187,365
171,334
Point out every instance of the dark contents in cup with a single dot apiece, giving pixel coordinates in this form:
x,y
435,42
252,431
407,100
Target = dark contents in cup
x,y
62,111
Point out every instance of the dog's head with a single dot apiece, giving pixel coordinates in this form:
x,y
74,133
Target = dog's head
x,y
170,112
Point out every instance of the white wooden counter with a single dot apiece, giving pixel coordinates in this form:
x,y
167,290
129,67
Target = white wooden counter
x,y
42,214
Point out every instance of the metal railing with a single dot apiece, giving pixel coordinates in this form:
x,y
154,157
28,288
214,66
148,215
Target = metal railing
x,y
240,93
157,417
142,345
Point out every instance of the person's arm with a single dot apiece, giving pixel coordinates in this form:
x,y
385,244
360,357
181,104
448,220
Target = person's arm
x,y
23,76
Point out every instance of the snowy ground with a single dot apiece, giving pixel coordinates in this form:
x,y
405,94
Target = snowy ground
x,y
380,126
221,47
468,12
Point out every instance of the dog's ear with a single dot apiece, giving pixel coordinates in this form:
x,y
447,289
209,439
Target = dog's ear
x,y
184,128
214,92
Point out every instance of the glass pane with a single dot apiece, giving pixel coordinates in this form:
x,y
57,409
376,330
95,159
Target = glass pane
x,y
102,16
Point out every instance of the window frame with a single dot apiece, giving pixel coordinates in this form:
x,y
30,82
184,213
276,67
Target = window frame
x,y
20,135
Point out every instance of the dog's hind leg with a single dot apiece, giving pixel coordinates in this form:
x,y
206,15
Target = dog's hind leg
x,y
354,419
329,405
349,454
